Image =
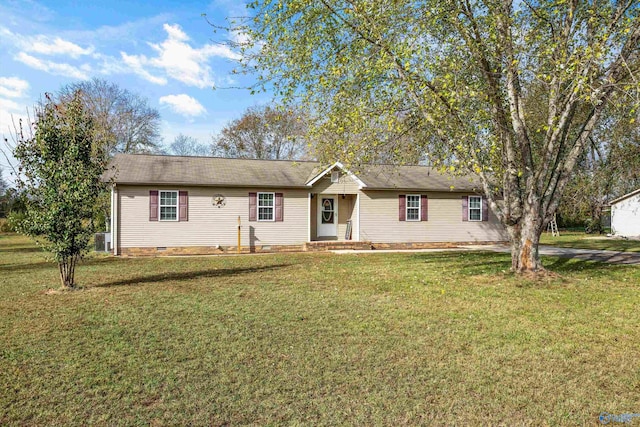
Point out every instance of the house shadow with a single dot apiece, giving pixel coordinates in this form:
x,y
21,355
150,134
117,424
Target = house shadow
x,y
252,239
189,275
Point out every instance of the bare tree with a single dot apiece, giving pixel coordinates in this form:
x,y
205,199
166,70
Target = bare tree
x,y
3,184
263,133
124,120
184,145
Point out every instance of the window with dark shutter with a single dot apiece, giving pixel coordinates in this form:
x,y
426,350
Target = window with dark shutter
x,y
475,208
402,207
465,208
424,208
485,209
266,206
168,205
184,206
153,205
279,207
253,206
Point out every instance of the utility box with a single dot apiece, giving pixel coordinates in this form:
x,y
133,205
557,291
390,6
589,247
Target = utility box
x,y
102,242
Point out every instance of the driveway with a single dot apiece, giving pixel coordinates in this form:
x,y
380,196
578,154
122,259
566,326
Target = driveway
x,y
613,257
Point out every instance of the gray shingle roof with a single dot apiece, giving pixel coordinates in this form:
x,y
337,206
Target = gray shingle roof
x,y
154,169
214,171
415,178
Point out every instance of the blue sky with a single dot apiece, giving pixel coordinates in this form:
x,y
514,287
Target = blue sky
x,y
162,50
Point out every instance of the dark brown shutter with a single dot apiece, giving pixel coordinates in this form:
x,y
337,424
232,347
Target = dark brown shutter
x,y
253,206
279,209
402,207
183,203
485,209
424,208
153,205
465,208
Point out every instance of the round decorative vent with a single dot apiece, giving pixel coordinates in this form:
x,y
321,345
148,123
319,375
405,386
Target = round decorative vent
x,y
218,200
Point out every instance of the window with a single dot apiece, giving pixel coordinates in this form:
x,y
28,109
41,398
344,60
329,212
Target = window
x,y
266,202
328,211
475,208
413,207
335,176
168,205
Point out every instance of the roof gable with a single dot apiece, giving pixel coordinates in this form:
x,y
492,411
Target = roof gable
x,y
624,197
340,166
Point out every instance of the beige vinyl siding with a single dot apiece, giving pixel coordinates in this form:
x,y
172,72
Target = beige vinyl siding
x,y
346,185
379,220
209,225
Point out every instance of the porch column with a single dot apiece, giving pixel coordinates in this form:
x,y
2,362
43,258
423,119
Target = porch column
x,y
309,218
356,231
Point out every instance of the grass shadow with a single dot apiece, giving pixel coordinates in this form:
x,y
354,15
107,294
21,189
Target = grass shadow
x,y
23,249
40,265
189,275
570,264
28,266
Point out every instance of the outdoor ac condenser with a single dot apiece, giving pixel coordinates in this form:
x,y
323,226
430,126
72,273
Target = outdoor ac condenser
x,y
102,242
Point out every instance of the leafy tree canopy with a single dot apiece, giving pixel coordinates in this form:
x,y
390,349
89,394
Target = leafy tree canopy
x,y
469,76
60,165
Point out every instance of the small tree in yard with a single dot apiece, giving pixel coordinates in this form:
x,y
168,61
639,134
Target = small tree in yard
x,y
60,170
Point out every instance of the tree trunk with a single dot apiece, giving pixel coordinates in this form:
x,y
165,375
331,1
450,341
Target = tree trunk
x,y
67,268
525,238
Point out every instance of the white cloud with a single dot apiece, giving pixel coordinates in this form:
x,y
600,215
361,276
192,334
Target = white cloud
x,y
175,58
60,69
47,45
135,63
9,105
179,60
183,104
13,87
57,46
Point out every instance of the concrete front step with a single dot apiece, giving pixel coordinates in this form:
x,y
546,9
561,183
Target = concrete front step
x,y
332,245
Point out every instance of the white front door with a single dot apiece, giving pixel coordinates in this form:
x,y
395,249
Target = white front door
x,y
327,216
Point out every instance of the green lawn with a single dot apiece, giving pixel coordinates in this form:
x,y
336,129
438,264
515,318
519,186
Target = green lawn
x,y
573,239
316,339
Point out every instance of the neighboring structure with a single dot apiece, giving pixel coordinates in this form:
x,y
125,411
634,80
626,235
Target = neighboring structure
x,y
625,215
170,204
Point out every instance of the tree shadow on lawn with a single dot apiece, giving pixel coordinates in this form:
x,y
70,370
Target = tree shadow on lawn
x,y
43,265
572,264
480,263
189,275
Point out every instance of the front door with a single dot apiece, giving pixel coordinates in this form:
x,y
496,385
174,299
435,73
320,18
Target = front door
x,y
327,216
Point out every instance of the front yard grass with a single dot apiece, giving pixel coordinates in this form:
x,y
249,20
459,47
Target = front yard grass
x,y
579,240
316,339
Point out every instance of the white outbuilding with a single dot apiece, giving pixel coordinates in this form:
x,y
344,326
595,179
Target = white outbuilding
x,y
625,215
